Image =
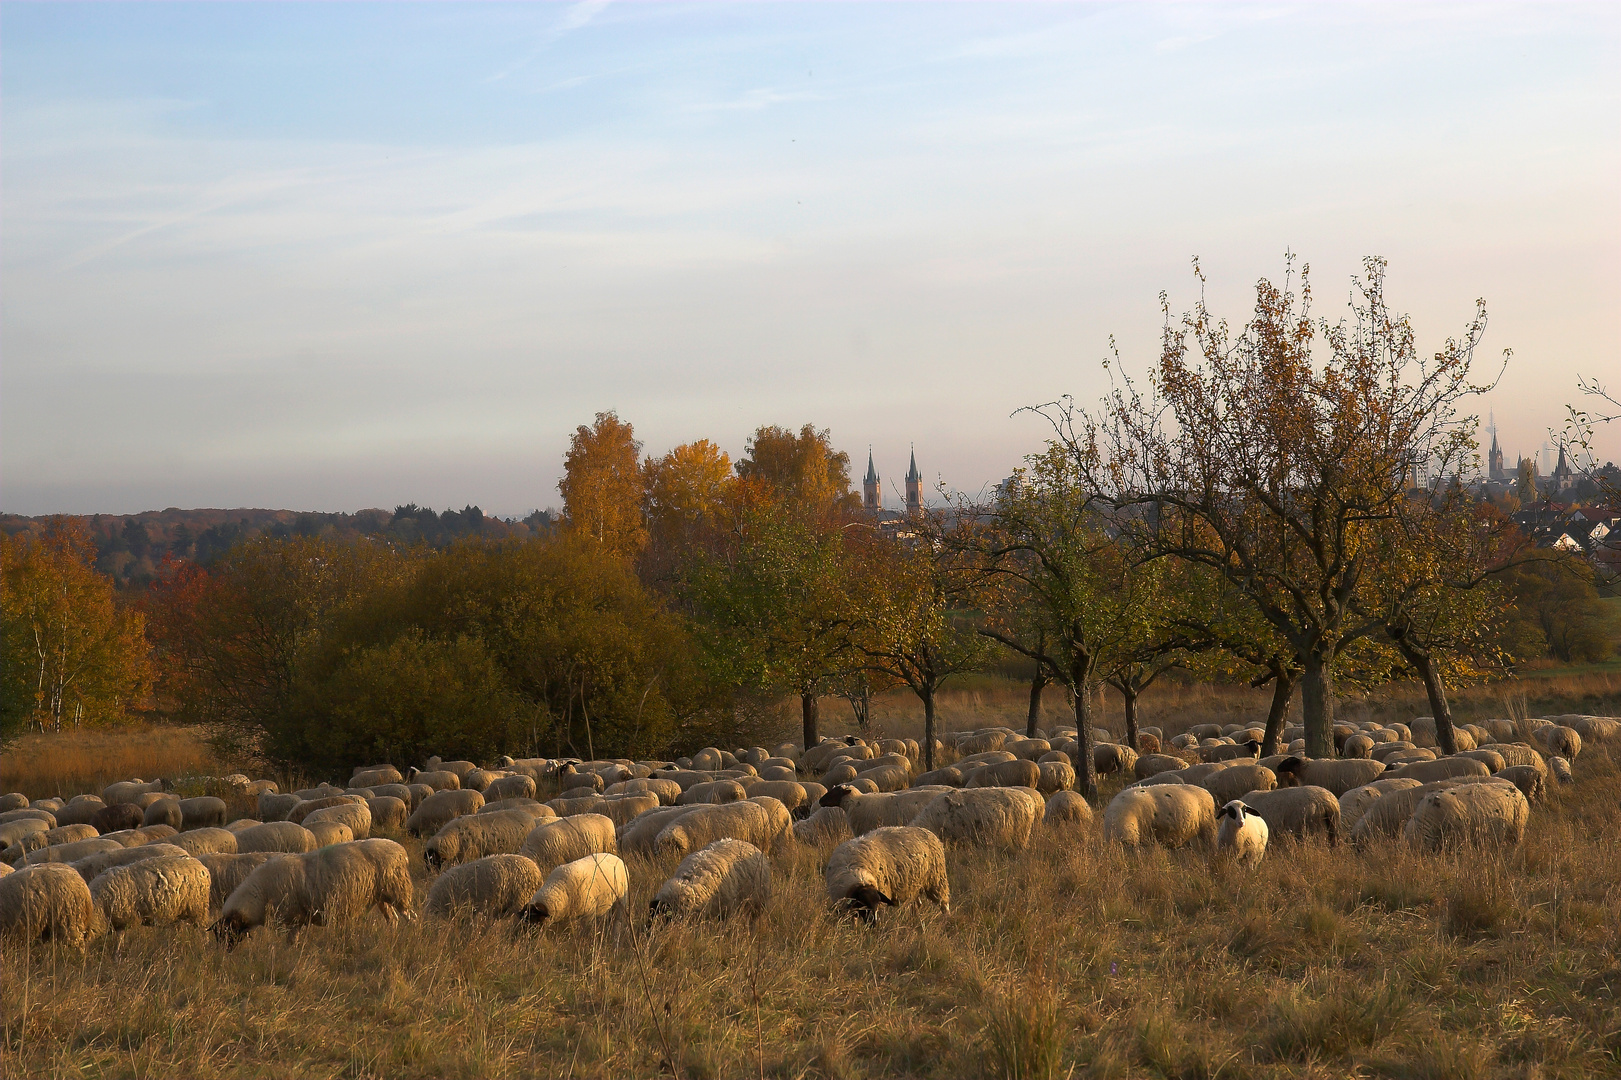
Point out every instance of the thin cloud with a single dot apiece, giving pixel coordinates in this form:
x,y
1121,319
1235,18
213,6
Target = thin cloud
x,y
575,17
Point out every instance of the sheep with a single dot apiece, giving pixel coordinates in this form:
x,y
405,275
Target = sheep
x,y
309,806
714,791
20,830
1054,776
125,791
1533,783
91,866
1338,776
1442,769
639,834
584,888
1242,834
1231,783
325,887
146,834
1015,773
1520,754
1560,769
1490,758
327,833
432,813
165,810
62,834
1168,814
13,800
553,843
790,793
1153,764
1559,741
867,812
1300,812
242,823
438,779
171,888
260,787
210,841
985,817
474,836
720,879
387,812
275,806
1358,746
828,825
948,776
355,815
1490,815
1251,750
34,813
79,811
1067,809
50,902
759,821
203,812
666,790
895,865
493,885
226,872
1355,803
1110,758
66,853
1594,728
517,786
375,775
276,836
116,816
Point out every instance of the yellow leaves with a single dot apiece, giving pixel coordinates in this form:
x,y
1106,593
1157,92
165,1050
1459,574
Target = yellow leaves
x,y
602,485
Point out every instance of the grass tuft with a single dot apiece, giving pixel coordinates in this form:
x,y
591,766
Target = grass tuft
x,y
1023,1033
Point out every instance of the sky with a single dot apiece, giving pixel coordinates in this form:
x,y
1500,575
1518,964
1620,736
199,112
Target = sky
x,y
335,256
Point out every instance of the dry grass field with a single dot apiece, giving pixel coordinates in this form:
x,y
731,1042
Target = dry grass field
x,y
1073,958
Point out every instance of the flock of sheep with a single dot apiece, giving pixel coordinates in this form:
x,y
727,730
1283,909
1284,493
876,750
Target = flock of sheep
x,y
137,853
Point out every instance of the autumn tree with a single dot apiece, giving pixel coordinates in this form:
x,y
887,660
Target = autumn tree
x,y
804,469
1257,457
602,485
72,654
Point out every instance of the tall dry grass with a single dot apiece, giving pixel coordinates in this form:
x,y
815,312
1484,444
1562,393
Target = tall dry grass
x,y
88,759
1073,958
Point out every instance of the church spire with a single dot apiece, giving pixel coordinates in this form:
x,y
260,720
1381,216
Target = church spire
x,y
914,486
872,473
872,499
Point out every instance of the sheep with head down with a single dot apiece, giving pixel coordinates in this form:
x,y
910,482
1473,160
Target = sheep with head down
x,y
1336,775
867,812
552,843
1299,812
434,811
355,816
226,872
48,902
276,836
1484,815
895,865
69,852
1441,769
982,817
325,887
493,885
91,866
201,841
1172,815
760,821
1559,741
638,835
719,880
474,836
327,833
1068,811
1532,782
1355,803
170,888
829,825
586,888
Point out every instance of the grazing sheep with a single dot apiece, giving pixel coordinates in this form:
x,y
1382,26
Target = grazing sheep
x,y
432,813
275,806
309,806
126,791
718,880
276,836
1168,814
327,833
91,866
387,812
791,793
1532,782
170,888
324,887
212,841
1242,833
203,812
1153,764
1055,776
1594,728
1355,803
638,835
714,791
584,888
1300,812
48,903
759,821
146,834
492,885
1488,815
949,776
894,865
518,786
623,809
1442,769
375,776
474,836
66,853
1358,746
1560,769
242,823
79,811
1337,775
19,830
1251,750
1231,783
438,779
983,817
1015,773
1520,754
62,834
115,817
553,843
355,815
1559,741
13,800
666,790
828,825
1068,810
1110,758
1490,758
226,872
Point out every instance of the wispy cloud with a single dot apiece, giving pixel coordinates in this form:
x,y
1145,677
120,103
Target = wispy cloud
x,y
575,17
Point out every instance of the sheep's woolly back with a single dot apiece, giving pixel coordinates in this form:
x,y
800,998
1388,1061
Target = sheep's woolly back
x,y
355,815
1015,773
1559,768
210,841
1521,754
1337,776
1242,834
720,879
327,886
71,852
276,836
1068,810
1448,768
1355,803
327,833
203,812
1300,812
170,888
1490,815
1168,814
1153,764
869,812
474,836
584,888
92,866
893,865
226,872
1232,782
1533,783
1559,741
494,885
790,793
985,817
48,902
638,836
553,843
432,812
759,821
829,825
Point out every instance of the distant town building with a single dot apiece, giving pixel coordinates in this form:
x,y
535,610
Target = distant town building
x,y
914,487
872,499
1494,461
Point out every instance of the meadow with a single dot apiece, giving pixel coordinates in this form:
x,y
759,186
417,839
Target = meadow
x,y
1072,958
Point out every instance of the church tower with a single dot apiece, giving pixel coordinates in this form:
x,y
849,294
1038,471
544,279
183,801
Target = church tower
x,y
1494,460
914,487
872,499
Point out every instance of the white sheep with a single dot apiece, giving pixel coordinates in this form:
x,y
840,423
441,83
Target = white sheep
x,y
1242,833
226,872
553,843
432,812
1446,768
388,812
828,825
327,833
1560,769
868,812
49,902
895,865
759,821
516,786
66,853
210,841
375,775
717,880
1000,817
276,836
493,885
1355,803
171,888
327,886
203,812
1300,812
92,866
638,835
585,888
1168,814
275,805
474,836
355,815
1068,811
1337,775
1488,815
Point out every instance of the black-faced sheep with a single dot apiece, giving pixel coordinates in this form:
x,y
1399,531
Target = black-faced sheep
x,y
1168,814
585,888
170,888
49,902
1488,815
985,817
493,885
1241,833
1300,812
894,865
1336,775
718,880
324,887
553,843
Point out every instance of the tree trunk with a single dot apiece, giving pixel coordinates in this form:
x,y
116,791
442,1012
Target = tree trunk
x,y
1037,684
928,727
1317,703
1437,691
1283,688
1129,693
807,709
1086,772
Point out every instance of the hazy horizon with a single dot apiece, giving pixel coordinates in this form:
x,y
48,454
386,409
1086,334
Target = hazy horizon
x,y
329,257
